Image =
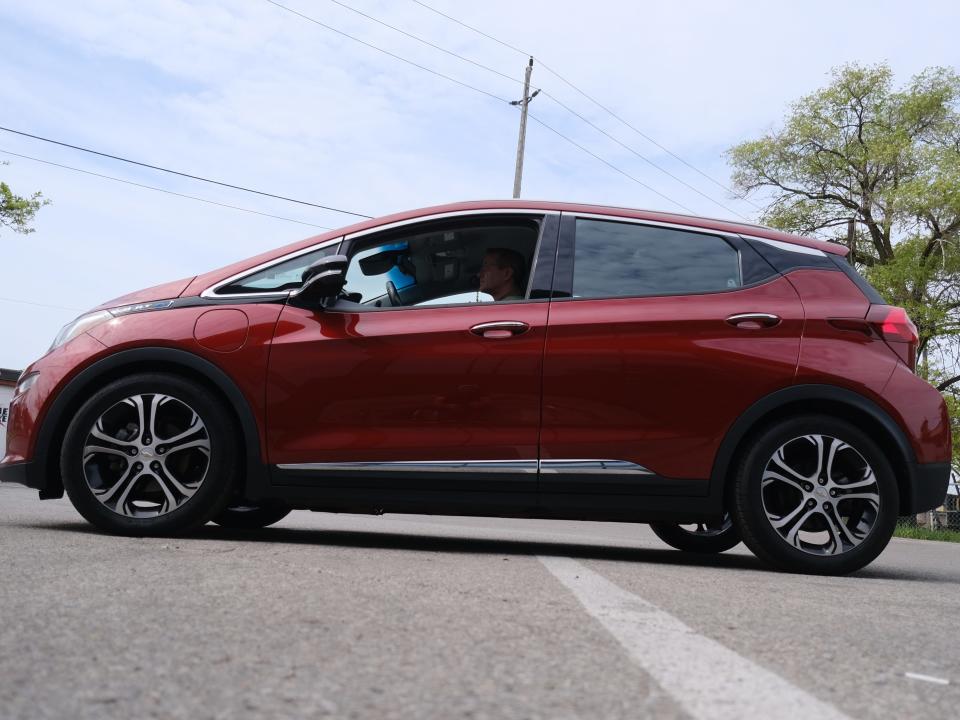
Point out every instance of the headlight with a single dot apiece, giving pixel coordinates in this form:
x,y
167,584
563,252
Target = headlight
x,y
90,320
25,383
81,324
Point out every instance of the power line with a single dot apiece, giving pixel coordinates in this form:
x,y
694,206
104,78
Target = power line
x,y
387,52
168,192
591,99
426,42
468,86
36,304
181,174
554,99
608,164
644,157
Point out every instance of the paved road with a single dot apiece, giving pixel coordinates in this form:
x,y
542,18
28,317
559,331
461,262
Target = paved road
x,y
429,617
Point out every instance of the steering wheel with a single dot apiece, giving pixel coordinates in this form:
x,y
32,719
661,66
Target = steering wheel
x,y
392,293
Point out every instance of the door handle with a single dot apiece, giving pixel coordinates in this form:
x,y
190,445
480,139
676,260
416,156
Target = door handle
x,y
754,321
500,330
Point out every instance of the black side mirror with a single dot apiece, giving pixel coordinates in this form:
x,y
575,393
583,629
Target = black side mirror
x,y
322,281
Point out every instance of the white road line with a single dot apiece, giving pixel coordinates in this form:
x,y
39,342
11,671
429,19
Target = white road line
x,y
927,678
708,680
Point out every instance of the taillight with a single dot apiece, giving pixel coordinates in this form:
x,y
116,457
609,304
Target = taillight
x,y
897,330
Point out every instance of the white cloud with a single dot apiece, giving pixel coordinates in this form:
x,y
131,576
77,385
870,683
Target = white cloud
x,y
248,93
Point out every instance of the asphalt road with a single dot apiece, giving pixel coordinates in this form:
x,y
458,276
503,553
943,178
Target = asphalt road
x,y
433,617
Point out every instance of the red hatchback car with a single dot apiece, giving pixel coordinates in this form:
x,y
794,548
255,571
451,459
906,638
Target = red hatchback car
x,y
717,380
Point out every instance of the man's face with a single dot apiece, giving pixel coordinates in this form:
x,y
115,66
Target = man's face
x,y
492,276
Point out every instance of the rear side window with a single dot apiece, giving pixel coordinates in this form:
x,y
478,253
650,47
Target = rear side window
x,y
623,259
280,277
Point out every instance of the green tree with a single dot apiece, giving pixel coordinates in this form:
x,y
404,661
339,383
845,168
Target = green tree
x,y
888,159
17,212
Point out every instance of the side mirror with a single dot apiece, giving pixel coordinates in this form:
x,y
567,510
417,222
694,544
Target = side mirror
x,y
323,280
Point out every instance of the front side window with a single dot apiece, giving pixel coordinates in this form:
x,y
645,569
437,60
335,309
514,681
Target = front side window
x,y
624,259
473,262
281,277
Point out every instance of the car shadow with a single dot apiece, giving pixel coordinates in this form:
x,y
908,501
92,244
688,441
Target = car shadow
x,y
505,546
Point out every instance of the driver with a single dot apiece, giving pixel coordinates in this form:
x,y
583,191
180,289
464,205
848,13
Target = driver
x,y
501,274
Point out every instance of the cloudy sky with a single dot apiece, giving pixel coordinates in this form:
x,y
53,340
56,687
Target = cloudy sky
x,y
246,92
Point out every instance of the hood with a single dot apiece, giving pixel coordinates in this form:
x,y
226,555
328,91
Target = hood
x,y
164,291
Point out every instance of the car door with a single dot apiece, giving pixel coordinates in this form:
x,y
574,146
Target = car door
x,y
668,334
428,396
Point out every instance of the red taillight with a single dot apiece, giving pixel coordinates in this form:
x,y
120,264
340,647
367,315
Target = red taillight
x,y
897,329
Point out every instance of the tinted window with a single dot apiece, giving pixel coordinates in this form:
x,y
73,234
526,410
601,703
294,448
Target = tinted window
x,y
614,258
280,277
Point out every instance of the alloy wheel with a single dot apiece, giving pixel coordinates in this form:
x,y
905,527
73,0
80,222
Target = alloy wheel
x,y
146,455
820,495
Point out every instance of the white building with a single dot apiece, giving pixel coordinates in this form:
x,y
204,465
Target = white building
x,y
8,379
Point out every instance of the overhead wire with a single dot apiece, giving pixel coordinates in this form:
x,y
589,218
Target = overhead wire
x,y
563,105
181,174
463,84
593,100
162,190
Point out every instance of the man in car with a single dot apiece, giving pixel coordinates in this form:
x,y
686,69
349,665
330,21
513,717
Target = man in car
x,y
502,273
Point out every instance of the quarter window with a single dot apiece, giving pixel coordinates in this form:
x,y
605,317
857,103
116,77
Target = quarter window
x,y
624,259
281,277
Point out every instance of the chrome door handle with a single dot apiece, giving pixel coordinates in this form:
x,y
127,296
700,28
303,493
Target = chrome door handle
x,y
500,330
754,321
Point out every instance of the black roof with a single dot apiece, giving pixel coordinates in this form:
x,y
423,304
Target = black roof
x,y
9,375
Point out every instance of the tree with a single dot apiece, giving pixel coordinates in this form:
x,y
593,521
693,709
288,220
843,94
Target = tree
x,y
890,161
17,212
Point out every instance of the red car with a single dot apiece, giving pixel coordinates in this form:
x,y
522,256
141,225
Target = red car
x,y
717,380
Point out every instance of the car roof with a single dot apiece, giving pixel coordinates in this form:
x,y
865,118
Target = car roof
x,y
203,281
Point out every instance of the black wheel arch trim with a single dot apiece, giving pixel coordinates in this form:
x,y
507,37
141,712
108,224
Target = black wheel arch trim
x,y
43,471
910,477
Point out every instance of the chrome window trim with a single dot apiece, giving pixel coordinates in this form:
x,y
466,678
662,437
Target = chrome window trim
x,y
447,215
786,246
654,223
590,466
211,292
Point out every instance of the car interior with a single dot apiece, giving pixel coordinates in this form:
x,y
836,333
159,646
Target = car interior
x,y
434,266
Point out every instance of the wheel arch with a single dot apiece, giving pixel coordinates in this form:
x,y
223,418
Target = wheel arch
x,y
829,399
148,359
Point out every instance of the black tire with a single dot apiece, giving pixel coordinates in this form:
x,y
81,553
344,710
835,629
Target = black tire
x,y
251,517
215,465
708,540
871,527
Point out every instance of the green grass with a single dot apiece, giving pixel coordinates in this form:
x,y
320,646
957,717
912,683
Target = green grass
x,y
905,531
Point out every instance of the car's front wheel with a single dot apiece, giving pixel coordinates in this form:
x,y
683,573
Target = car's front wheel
x,y
815,494
704,537
149,454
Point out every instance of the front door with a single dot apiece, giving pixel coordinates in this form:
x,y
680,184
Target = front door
x,y
415,379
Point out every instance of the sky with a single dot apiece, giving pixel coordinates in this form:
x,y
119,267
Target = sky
x,y
248,93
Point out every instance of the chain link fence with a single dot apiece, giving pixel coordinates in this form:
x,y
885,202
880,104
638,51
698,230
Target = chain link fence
x,y
945,517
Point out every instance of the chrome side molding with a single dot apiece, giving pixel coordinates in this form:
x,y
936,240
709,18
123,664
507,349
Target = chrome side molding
x,y
573,467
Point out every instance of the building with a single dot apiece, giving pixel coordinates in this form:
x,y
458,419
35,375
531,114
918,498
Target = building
x,y
8,380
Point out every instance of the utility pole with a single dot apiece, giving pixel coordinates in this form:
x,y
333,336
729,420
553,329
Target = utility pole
x,y
852,240
521,141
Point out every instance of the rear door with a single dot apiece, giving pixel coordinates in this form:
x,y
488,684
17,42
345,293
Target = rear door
x,y
667,334
439,394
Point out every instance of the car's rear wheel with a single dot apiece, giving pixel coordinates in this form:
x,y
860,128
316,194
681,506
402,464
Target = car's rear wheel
x,y
703,537
149,454
815,494
251,517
